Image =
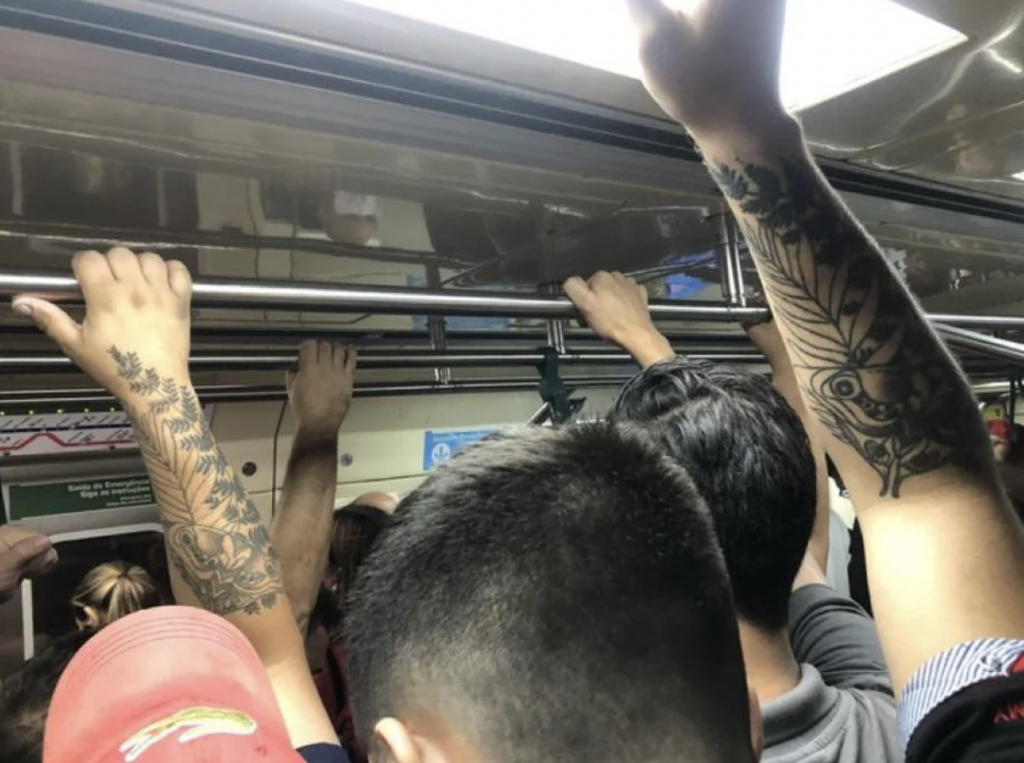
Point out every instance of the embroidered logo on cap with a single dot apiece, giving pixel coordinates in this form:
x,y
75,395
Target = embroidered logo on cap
x,y
1018,665
198,721
1014,711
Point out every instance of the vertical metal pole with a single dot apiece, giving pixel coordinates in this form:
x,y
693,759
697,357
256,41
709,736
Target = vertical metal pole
x,y
728,249
555,326
724,261
161,199
739,288
551,287
437,330
17,189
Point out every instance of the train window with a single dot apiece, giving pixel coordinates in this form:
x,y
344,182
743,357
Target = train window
x,y
51,595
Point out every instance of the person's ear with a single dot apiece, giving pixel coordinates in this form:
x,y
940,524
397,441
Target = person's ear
x,y
330,582
89,618
756,723
397,744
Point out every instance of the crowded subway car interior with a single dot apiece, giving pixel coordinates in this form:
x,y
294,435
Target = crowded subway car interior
x,y
405,219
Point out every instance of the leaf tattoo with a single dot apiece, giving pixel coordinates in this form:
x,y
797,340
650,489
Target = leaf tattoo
x,y
215,536
876,376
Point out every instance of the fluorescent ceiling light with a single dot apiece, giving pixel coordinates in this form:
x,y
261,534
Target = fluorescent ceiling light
x,y
1006,62
830,48
1018,176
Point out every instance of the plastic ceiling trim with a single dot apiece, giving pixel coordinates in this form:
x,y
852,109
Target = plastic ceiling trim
x,y
394,83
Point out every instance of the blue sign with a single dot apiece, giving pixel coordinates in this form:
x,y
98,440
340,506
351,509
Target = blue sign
x,y
439,447
458,322
684,286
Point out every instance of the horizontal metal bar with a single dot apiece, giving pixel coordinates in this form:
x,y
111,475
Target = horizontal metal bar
x,y
290,337
991,388
47,398
375,360
84,397
979,321
963,339
383,300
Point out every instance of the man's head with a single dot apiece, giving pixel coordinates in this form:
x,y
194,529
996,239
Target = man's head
x,y
25,699
749,456
549,595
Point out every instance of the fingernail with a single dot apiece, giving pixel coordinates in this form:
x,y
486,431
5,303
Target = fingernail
x,y
42,542
23,308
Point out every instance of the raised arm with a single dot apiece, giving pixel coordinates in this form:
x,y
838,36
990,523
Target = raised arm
x,y
134,340
946,556
320,393
767,338
616,308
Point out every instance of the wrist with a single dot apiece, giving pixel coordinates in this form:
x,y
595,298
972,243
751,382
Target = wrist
x,y
648,349
317,433
775,131
134,400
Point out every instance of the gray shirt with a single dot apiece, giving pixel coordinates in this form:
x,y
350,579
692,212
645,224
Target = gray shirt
x,y
843,709
838,572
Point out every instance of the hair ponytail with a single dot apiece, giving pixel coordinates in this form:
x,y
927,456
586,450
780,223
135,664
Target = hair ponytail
x,y
112,591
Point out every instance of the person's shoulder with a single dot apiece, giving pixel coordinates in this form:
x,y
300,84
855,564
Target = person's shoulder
x,y
872,716
817,721
323,753
873,707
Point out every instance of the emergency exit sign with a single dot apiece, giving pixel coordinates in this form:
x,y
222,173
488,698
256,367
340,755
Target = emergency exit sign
x,y
74,496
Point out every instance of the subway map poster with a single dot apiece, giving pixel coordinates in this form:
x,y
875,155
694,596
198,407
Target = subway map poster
x,y
29,434
34,434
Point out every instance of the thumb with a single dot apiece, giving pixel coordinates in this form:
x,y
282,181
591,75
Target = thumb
x,y
648,15
53,321
28,549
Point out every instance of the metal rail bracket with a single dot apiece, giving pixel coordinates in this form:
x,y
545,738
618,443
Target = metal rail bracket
x,y
552,388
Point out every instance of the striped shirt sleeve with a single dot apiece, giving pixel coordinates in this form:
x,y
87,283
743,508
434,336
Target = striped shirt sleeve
x,y
951,672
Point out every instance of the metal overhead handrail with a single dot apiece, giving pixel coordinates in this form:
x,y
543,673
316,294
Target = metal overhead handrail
x,y
382,300
978,321
376,360
385,300
287,337
964,339
28,363
233,393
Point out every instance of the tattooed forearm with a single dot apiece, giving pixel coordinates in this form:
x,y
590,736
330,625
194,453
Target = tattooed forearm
x,y
873,371
214,535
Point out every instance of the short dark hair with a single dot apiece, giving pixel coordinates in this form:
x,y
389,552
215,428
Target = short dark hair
x,y
25,699
554,594
749,455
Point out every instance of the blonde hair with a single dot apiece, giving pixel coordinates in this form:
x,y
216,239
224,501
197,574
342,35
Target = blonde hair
x,y
111,591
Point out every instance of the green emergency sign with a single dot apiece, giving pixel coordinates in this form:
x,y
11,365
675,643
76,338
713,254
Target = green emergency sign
x,y
74,496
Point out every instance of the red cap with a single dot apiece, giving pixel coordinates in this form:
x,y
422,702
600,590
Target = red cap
x,y
166,685
1000,428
